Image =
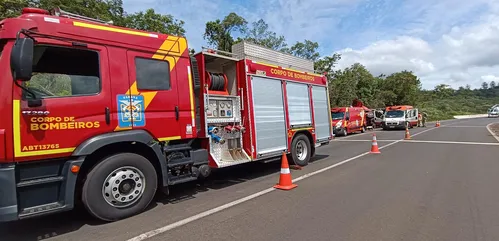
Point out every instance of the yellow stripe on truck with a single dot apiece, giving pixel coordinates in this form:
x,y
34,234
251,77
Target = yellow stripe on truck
x,y
191,93
111,29
17,137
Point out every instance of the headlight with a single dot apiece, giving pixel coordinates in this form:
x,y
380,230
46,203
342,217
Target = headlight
x,y
338,125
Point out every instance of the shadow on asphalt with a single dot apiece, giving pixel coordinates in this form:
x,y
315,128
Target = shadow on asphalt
x,y
46,227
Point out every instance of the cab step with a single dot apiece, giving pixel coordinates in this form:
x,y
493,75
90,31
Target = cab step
x,y
174,180
40,181
40,210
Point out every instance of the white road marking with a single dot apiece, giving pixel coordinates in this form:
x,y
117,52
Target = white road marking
x,y
455,142
464,126
177,224
491,132
353,135
436,142
378,140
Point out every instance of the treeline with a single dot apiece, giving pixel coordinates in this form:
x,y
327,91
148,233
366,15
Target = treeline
x,y
354,82
107,10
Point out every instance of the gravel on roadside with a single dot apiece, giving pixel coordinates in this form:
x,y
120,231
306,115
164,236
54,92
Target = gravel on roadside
x,y
495,128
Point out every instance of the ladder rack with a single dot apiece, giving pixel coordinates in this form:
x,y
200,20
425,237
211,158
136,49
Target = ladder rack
x,y
61,13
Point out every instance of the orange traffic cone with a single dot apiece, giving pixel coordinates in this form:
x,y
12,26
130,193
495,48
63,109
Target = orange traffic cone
x,y
407,134
437,124
285,182
374,146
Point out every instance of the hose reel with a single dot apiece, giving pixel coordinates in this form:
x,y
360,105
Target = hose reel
x,y
217,82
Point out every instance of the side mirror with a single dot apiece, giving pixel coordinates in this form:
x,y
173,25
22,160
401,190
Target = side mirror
x,y
21,59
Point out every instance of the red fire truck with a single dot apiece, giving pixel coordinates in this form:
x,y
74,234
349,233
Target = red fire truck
x,y
104,116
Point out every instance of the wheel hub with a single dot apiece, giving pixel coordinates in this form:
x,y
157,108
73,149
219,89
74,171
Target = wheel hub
x,y
123,187
301,150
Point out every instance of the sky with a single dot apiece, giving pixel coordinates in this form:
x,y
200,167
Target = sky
x,y
453,42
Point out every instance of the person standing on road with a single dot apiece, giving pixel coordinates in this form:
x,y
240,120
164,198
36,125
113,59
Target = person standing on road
x,y
425,116
420,120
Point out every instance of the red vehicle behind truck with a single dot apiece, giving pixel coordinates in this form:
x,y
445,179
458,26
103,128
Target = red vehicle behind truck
x,y
346,120
107,115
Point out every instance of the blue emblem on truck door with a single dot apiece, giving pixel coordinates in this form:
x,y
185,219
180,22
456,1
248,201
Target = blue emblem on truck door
x,y
131,111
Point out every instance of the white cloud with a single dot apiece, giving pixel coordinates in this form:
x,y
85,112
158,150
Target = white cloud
x,y
489,78
465,54
447,41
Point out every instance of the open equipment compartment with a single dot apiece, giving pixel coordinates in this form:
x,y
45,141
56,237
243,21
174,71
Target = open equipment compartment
x,y
223,122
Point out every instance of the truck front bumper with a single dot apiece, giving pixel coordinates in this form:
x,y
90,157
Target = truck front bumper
x,y
388,126
8,195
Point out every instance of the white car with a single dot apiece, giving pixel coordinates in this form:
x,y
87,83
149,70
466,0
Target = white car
x,y
494,111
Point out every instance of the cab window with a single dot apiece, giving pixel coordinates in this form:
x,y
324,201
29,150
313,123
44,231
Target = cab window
x,y
64,72
152,74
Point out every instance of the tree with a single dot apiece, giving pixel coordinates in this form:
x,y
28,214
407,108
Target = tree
x,y
492,84
106,10
327,63
342,90
155,22
261,35
306,50
485,85
443,91
218,33
405,85
12,8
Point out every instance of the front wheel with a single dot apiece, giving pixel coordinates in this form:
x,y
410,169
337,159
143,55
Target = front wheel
x,y
301,150
120,186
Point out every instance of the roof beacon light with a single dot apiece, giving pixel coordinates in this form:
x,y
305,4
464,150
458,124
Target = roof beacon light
x,y
35,10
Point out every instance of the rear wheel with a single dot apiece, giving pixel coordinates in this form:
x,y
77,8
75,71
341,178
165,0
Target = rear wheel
x,y
120,186
301,150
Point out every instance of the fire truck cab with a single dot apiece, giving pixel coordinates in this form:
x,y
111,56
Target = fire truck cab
x,y
400,117
105,116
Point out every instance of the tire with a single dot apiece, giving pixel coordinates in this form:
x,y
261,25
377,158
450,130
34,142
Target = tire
x,y
130,165
300,150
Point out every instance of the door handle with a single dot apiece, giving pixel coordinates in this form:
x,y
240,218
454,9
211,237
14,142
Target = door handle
x,y
108,115
176,113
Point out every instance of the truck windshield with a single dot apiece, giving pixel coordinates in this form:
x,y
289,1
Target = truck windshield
x,y
338,115
394,114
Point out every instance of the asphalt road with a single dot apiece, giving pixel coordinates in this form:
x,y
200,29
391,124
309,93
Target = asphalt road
x,y
440,186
